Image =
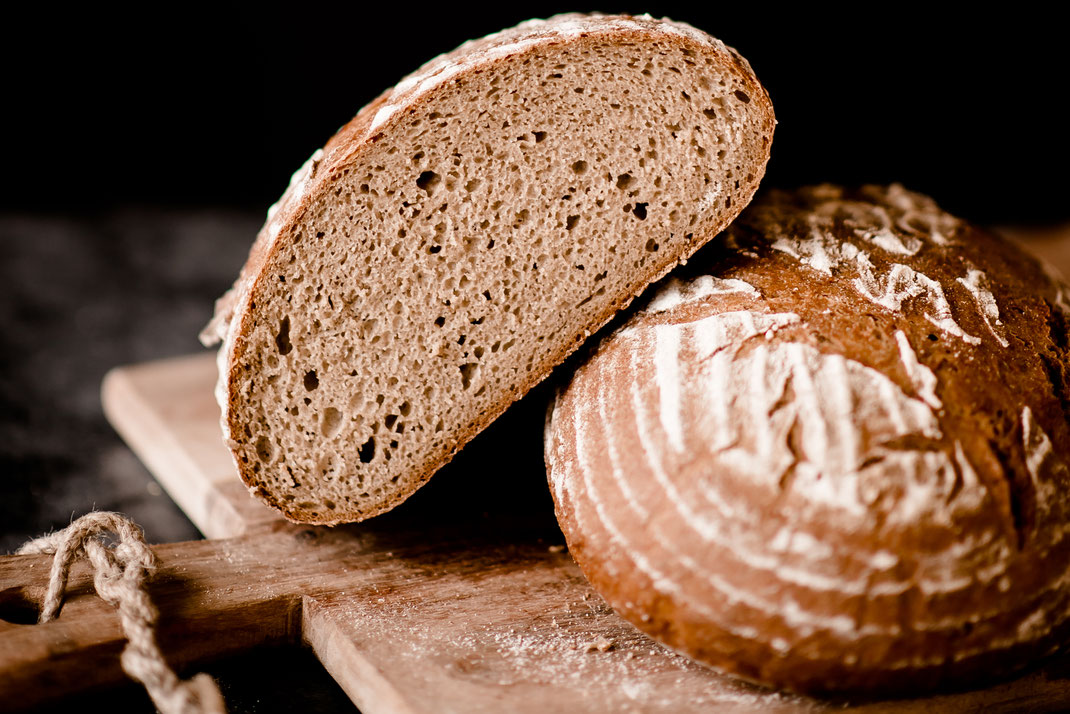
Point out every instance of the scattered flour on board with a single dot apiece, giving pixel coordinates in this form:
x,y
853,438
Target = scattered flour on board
x,y
554,648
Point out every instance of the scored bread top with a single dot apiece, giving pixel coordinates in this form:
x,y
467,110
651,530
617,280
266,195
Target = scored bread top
x,y
365,340
831,453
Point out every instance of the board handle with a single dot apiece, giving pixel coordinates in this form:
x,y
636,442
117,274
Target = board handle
x,y
210,606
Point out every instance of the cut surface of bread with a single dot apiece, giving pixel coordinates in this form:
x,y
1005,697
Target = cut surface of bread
x,y
461,236
830,454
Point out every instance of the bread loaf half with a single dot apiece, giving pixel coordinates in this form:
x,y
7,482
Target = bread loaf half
x,y
461,236
833,455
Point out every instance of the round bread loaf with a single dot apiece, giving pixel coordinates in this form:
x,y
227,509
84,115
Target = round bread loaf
x,y
461,236
832,454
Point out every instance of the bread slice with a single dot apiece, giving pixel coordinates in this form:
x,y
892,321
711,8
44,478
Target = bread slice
x,y
461,236
833,455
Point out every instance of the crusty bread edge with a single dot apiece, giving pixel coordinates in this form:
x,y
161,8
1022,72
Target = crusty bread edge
x,y
233,322
621,592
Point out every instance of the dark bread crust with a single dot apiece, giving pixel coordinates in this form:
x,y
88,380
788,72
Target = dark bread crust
x,y
856,604
236,311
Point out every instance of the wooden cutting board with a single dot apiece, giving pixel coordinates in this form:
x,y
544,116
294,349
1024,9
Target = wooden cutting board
x,y
461,600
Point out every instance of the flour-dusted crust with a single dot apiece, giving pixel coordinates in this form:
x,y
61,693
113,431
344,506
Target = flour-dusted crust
x,y
322,468
832,454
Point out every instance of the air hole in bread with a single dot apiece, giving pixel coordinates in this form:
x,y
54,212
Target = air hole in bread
x,y
469,372
311,381
367,451
282,338
265,449
427,181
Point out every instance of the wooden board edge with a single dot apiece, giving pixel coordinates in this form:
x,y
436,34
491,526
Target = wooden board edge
x,y
358,677
150,438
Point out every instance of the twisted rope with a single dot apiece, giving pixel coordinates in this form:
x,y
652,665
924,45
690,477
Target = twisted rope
x,y
119,577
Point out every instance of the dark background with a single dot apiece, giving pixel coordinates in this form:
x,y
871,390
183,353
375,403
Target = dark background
x,y
217,106
141,150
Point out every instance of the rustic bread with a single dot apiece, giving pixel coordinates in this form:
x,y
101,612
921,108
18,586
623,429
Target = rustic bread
x,y
461,236
832,454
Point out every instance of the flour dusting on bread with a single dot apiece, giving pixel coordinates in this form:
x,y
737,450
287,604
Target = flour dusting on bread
x,y
866,496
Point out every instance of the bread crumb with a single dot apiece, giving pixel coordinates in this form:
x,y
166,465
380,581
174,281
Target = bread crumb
x,y
556,549
600,645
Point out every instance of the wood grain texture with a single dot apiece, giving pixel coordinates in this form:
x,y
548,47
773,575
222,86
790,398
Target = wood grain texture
x,y
408,612
177,437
